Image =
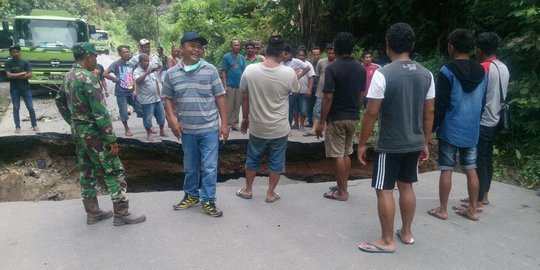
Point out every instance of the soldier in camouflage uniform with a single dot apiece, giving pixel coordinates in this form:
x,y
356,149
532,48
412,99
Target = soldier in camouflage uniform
x,y
80,102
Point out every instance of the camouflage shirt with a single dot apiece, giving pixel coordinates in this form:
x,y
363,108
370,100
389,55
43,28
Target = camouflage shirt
x,y
80,102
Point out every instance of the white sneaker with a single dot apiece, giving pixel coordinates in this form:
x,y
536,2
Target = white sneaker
x,y
35,128
17,130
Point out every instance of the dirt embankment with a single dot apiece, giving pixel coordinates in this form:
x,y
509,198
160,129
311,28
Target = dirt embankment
x,y
43,167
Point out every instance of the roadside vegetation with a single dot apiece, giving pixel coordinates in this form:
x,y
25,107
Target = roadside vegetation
x,y
315,22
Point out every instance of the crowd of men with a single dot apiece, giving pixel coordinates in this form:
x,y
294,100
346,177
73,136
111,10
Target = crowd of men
x,y
278,92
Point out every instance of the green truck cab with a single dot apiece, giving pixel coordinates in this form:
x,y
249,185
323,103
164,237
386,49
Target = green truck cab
x,y
101,40
46,42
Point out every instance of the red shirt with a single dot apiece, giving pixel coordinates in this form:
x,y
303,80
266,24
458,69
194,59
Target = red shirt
x,y
369,74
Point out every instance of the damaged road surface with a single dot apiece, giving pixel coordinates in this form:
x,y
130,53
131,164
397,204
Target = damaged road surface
x,y
43,167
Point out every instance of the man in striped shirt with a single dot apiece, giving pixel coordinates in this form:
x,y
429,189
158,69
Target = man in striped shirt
x,y
194,105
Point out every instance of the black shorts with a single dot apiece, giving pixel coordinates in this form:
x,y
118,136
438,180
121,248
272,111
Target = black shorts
x,y
389,168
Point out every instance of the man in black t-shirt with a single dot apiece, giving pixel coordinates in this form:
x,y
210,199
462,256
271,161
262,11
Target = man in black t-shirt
x,y
344,81
19,71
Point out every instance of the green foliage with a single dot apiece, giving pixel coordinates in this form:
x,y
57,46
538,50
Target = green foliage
x,y
79,8
530,172
433,63
115,23
141,22
219,21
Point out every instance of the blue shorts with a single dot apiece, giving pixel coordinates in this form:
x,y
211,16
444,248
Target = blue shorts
x,y
448,160
303,104
277,148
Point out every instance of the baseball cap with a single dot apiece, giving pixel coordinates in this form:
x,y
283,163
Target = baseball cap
x,y
84,48
190,36
14,47
276,40
144,41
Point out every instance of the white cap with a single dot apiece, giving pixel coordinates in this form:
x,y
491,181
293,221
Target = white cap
x,y
144,41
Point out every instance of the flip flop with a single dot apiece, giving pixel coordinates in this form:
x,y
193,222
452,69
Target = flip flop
x,y
464,206
433,212
129,133
308,134
465,215
275,198
378,249
398,233
242,195
466,200
332,197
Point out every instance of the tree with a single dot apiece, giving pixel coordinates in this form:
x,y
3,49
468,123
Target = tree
x,y
141,22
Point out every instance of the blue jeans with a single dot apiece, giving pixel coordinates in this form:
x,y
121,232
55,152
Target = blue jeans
x,y
16,100
123,101
153,109
201,156
293,107
447,157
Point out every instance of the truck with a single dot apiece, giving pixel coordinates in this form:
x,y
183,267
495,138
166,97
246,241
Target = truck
x,y
101,40
45,42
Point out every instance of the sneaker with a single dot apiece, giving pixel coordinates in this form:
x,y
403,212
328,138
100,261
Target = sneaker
x,y
35,128
211,209
187,202
17,130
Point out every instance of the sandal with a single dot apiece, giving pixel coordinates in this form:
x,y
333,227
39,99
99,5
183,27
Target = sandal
x,y
240,193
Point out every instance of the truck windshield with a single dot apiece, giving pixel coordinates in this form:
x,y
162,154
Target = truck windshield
x,y
47,33
99,36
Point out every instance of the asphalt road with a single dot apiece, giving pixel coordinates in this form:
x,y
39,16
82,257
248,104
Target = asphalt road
x,y
302,230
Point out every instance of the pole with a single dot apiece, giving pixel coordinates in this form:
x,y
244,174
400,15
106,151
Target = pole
x,y
157,23
98,13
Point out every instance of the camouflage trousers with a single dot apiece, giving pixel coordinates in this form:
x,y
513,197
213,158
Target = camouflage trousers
x,y
94,155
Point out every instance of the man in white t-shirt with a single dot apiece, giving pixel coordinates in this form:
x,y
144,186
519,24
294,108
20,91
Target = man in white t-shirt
x,y
306,84
265,108
301,68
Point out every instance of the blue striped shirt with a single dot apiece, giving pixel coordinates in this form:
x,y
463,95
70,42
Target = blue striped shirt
x,y
194,94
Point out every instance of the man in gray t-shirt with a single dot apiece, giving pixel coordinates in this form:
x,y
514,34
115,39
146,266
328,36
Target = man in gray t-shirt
x,y
148,94
498,76
320,73
265,108
402,97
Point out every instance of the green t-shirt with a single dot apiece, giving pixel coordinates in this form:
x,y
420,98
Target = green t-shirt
x,y
257,59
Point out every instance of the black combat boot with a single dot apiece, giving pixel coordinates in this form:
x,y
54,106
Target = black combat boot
x,y
93,213
123,217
